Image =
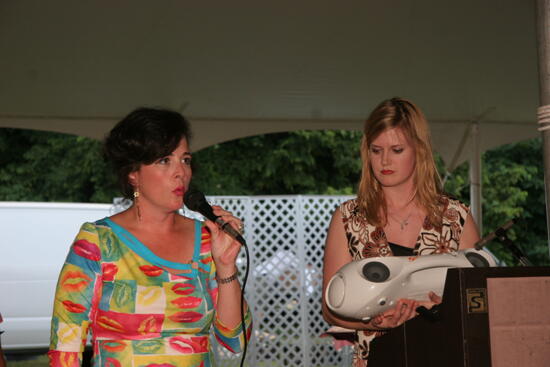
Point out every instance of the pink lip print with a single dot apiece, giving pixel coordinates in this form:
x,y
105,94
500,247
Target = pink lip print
x,y
111,362
74,281
87,250
187,302
183,289
73,307
114,346
189,345
185,317
151,270
109,271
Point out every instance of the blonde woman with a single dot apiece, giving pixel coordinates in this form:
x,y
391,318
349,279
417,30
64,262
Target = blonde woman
x,y
400,210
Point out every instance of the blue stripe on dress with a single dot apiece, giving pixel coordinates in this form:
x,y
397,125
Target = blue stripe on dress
x,y
139,248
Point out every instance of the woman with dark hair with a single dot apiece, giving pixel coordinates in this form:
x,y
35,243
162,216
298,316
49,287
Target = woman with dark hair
x,y
400,210
2,358
149,283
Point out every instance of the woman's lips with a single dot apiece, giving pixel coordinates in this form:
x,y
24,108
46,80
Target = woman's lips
x,y
386,171
179,191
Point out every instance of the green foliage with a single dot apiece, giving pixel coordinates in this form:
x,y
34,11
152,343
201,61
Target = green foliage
x,y
302,162
513,187
46,166
30,361
327,162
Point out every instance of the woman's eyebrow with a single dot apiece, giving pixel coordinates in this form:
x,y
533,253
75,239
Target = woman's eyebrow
x,y
391,146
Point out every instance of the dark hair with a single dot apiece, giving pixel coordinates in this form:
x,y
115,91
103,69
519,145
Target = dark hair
x,y
142,137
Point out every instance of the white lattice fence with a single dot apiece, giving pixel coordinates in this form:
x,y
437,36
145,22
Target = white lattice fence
x,y
285,236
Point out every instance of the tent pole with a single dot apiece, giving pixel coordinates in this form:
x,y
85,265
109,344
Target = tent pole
x,y
543,42
475,178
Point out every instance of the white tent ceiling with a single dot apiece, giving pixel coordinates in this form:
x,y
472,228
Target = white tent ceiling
x,y
246,67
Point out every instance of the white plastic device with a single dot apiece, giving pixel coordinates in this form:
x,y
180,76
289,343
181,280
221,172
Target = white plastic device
x,y
364,288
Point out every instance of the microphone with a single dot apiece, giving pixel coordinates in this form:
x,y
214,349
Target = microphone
x,y
499,232
196,202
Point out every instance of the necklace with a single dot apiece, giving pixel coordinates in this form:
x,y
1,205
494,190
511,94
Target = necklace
x,y
402,222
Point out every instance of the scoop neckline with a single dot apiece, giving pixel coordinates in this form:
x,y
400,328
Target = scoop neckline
x,y
144,252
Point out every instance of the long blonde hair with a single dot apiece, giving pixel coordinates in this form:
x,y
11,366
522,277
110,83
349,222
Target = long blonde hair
x,y
403,114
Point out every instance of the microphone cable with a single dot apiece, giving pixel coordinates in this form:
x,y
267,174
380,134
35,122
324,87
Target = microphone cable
x,y
243,324
196,201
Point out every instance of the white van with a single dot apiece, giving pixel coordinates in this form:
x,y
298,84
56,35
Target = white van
x,y
35,239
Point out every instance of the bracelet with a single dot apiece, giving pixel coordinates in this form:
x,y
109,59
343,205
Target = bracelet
x,y
229,279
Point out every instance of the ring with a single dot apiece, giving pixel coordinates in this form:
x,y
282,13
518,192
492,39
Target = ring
x,y
241,227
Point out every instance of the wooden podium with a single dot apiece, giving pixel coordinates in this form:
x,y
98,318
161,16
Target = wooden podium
x,y
490,317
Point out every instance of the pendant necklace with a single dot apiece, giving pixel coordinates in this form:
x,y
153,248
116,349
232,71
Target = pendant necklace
x,y
402,222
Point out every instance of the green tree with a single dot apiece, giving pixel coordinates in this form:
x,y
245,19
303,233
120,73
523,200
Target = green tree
x,y
47,166
513,187
302,162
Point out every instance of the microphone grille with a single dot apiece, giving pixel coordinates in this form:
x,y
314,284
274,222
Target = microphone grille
x,y
194,199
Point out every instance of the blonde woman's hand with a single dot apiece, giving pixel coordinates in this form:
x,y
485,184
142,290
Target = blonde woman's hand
x,y
434,300
404,310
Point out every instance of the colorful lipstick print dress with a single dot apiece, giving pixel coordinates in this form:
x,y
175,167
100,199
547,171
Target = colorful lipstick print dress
x,y
139,314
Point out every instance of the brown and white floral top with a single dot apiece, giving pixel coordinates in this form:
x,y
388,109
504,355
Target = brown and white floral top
x,y
365,240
